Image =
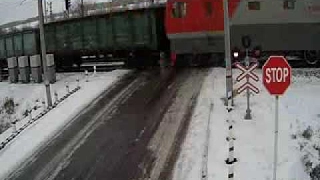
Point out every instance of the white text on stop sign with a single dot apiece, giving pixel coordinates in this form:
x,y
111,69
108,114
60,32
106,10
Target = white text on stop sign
x,y
276,74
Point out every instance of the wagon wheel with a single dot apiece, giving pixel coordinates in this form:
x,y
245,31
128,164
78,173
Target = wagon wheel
x,y
188,60
312,57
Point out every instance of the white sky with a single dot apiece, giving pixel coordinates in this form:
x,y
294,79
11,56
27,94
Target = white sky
x,y
13,10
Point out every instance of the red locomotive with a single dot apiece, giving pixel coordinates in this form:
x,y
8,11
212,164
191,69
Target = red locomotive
x,y
195,28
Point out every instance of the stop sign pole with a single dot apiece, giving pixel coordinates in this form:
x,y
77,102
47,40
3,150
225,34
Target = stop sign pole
x,y
276,78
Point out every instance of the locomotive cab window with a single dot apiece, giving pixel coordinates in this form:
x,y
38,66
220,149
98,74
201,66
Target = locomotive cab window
x,y
208,8
254,5
288,4
179,9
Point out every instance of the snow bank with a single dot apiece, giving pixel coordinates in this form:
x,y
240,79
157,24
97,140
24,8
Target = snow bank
x,y
34,136
27,96
254,138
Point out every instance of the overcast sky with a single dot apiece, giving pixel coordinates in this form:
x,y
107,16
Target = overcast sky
x,y
13,10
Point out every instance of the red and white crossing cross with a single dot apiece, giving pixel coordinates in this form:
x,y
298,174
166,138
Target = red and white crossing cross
x,y
249,86
276,75
247,72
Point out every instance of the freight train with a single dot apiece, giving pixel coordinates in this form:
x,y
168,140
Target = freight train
x,y
190,31
136,36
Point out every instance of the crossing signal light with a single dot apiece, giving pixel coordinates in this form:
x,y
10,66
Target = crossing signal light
x,y
68,4
257,52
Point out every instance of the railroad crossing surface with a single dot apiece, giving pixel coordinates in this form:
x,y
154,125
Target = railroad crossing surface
x,y
119,136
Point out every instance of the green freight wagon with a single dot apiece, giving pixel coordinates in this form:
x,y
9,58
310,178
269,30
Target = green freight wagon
x,y
136,36
18,43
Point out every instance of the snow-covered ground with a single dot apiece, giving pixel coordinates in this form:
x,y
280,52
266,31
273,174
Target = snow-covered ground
x,y
27,96
254,138
31,138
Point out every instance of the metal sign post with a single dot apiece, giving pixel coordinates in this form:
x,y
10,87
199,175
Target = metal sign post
x,y
275,160
229,83
248,111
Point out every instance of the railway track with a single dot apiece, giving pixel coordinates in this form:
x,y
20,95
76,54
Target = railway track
x,y
90,67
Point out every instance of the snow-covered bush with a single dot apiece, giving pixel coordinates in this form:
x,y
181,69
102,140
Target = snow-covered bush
x,y
4,125
7,113
309,142
307,133
315,173
9,106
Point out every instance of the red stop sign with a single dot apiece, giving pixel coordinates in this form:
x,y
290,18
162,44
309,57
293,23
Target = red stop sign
x,y
276,75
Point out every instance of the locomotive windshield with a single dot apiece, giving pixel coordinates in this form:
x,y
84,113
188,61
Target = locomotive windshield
x,y
179,9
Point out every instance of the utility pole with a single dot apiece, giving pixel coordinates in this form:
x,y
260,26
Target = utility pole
x,y
82,9
229,83
45,10
50,12
43,52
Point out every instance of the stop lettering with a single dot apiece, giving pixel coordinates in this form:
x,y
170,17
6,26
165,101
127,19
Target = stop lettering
x,y
276,75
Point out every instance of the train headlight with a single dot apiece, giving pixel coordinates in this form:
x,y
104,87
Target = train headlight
x,y
235,54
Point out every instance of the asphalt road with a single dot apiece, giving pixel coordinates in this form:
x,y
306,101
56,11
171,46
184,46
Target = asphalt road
x,y
110,139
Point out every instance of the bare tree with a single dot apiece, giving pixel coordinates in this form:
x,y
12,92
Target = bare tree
x,y
76,7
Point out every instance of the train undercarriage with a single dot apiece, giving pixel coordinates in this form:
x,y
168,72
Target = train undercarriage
x,y
210,51
303,58
141,59
129,58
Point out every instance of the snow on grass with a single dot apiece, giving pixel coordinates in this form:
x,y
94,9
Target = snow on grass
x,y
41,131
302,103
26,96
254,138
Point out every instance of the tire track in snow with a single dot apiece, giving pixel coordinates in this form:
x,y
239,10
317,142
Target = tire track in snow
x,y
204,169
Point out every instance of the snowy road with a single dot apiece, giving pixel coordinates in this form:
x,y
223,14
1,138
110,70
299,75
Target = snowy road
x,y
128,133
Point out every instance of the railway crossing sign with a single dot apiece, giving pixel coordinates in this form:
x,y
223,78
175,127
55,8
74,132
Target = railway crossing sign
x,y
247,72
276,75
